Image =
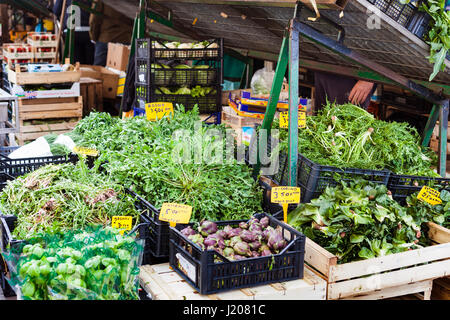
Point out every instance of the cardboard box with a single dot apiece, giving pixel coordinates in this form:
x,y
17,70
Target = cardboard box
x,y
109,78
117,57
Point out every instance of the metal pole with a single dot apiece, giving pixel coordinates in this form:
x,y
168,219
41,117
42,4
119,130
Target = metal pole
x,y
443,127
429,127
293,103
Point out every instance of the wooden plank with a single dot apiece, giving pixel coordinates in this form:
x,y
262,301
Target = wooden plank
x,y
164,283
389,262
51,114
49,127
49,107
318,257
438,233
23,137
409,288
27,102
364,285
24,78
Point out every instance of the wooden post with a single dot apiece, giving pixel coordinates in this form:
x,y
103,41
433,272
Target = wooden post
x,y
4,18
58,38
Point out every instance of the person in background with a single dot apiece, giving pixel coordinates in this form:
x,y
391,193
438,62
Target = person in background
x,y
109,26
341,89
83,50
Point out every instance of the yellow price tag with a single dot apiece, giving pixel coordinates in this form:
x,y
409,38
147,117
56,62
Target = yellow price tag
x,y
175,213
284,119
122,222
157,110
429,195
86,151
285,196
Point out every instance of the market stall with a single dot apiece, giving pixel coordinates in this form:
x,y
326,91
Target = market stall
x,y
271,200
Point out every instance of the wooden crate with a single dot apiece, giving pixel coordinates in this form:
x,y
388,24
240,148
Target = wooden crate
x,y
393,275
24,78
441,286
162,283
42,109
92,92
110,79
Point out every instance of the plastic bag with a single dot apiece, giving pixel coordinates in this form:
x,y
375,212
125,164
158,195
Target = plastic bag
x,y
91,264
37,148
262,81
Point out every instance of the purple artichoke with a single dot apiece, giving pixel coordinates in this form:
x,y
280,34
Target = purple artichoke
x,y
188,231
227,231
196,238
263,247
265,233
238,257
228,252
255,254
256,227
252,221
207,227
222,234
276,241
266,253
243,225
210,242
234,240
243,249
255,245
248,236
264,222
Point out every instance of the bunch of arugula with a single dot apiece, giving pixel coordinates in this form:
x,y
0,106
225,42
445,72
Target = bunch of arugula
x,y
357,220
139,154
347,136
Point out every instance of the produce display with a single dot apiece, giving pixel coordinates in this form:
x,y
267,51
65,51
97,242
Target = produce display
x,y
358,220
139,154
347,136
251,239
94,264
64,197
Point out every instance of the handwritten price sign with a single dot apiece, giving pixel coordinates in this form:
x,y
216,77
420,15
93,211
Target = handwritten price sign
x,y
86,151
175,213
285,196
284,119
122,222
157,110
429,195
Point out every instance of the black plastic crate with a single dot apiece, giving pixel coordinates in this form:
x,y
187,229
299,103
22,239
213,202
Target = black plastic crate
x,y
314,178
420,24
6,151
207,104
214,51
19,167
208,276
401,13
402,186
163,75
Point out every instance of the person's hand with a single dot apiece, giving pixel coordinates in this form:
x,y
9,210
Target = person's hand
x,y
360,92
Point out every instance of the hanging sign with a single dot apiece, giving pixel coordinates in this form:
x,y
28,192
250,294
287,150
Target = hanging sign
x,y
124,223
429,195
175,213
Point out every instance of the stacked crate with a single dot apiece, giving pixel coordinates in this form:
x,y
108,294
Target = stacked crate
x,y
51,111
17,53
156,82
43,45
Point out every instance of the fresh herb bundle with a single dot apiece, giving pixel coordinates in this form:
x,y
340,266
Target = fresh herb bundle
x,y
64,197
347,136
357,220
139,154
